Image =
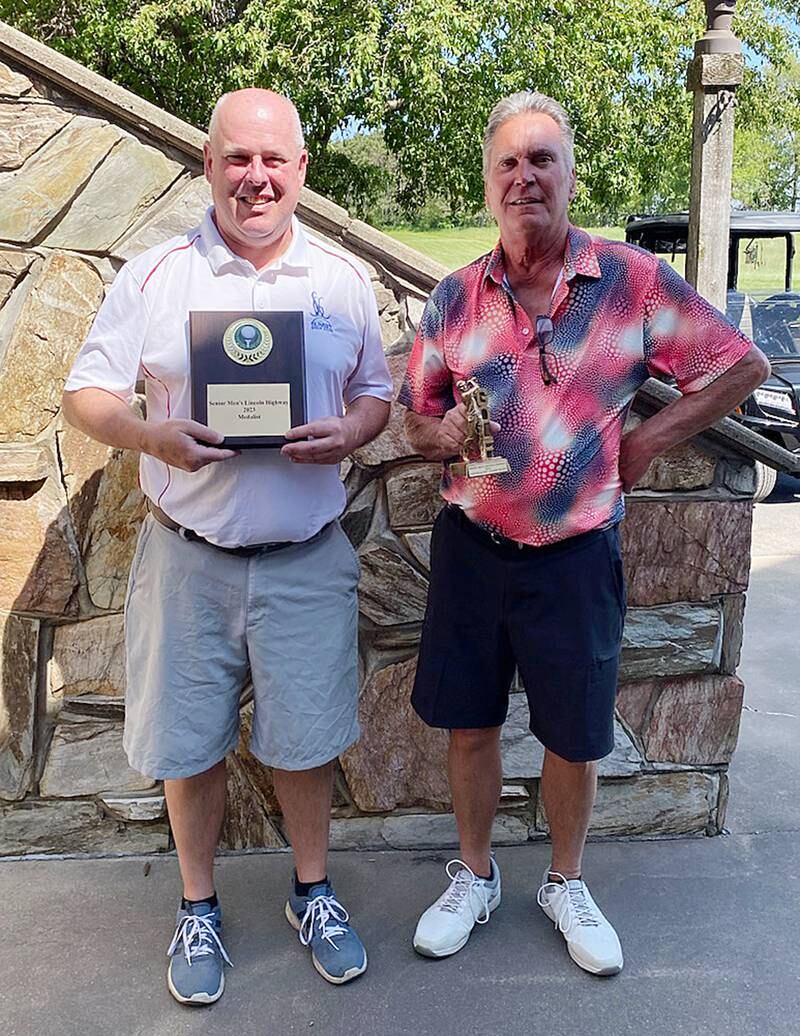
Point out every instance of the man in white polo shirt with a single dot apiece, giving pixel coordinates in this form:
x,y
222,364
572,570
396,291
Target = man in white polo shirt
x,y
241,565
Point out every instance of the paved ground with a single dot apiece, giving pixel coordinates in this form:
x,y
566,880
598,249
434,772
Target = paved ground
x,y
765,774
709,926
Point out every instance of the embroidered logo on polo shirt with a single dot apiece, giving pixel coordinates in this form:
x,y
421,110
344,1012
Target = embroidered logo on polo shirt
x,y
320,320
247,341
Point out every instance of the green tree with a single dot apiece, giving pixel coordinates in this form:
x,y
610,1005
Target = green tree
x,y
766,170
423,75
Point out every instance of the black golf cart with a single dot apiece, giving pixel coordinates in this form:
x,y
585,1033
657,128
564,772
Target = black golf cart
x,y
770,316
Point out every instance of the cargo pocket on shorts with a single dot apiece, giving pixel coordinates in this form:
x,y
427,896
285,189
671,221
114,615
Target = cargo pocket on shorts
x,y
604,675
144,535
352,553
611,537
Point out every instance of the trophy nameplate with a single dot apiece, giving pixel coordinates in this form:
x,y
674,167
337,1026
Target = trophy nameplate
x,y
248,374
479,435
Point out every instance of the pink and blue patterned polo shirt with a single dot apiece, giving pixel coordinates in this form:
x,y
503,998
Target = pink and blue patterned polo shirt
x,y
619,315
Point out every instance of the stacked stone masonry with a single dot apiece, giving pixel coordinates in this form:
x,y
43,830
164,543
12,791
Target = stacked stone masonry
x,y
78,197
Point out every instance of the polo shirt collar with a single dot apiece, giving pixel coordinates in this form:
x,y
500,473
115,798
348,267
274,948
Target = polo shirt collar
x,y
496,267
579,255
579,258
219,256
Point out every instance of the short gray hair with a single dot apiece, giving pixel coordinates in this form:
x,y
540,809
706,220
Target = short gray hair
x,y
212,122
528,102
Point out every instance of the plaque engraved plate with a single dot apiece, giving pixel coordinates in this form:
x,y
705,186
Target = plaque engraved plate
x,y
238,410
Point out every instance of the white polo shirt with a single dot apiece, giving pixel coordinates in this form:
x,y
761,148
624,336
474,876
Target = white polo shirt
x,y
142,332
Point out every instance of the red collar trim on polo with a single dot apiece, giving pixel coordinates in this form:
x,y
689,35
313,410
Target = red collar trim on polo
x,y
220,256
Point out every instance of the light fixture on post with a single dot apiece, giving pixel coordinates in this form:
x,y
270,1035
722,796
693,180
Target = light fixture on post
x,y
719,37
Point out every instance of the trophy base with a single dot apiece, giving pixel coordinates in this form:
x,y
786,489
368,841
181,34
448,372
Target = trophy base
x,y
477,468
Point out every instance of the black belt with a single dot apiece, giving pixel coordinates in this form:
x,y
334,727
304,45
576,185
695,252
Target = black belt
x,y
239,552
507,546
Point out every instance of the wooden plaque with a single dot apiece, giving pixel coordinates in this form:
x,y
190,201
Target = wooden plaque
x,y
248,374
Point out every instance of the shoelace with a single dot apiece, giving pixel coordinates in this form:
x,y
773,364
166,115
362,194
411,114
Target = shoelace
x,y
199,938
329,915
571,905
463,882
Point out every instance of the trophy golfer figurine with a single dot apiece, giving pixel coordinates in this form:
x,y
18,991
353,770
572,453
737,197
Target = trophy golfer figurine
x,y
477,405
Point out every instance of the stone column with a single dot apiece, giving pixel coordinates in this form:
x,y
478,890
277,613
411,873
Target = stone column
x,y
714,73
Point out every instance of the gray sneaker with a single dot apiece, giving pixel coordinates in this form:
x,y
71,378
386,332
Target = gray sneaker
x,y
197,956
322,923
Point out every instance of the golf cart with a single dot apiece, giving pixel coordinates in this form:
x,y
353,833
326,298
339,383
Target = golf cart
x,y
767,313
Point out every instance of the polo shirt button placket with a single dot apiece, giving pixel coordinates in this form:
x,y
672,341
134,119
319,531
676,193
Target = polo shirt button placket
x,y
261,294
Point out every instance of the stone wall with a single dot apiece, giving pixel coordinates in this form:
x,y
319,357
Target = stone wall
x,y
79,196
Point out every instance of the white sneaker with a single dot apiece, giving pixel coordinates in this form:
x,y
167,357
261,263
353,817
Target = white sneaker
x,y
591,941
446,925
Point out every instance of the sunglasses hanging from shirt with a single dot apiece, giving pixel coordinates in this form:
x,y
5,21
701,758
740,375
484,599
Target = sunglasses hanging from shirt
x,y
548,365
248,375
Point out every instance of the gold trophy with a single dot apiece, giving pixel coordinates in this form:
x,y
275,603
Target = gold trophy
x,y
477,404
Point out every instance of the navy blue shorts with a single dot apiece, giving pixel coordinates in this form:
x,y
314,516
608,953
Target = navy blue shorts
x,y
556,613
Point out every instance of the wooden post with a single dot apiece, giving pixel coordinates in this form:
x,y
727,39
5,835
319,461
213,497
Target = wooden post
x,y
714,73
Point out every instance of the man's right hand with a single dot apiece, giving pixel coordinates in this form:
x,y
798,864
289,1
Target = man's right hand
x,y
183,444
452,432
441,438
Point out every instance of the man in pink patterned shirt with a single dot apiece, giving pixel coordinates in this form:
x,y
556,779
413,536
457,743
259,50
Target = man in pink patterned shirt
x,y
559,329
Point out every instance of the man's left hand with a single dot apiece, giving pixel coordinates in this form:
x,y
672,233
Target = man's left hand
x,y
326,441
634,459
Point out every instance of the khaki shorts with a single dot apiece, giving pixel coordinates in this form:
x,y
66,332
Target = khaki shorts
x,y
198,622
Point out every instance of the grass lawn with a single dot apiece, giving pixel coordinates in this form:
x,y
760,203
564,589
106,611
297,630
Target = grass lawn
x,y
456,247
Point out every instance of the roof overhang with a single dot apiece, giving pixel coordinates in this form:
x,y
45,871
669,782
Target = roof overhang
x,y
743,223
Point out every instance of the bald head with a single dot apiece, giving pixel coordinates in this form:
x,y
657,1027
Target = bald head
x,y
256,162
258,106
